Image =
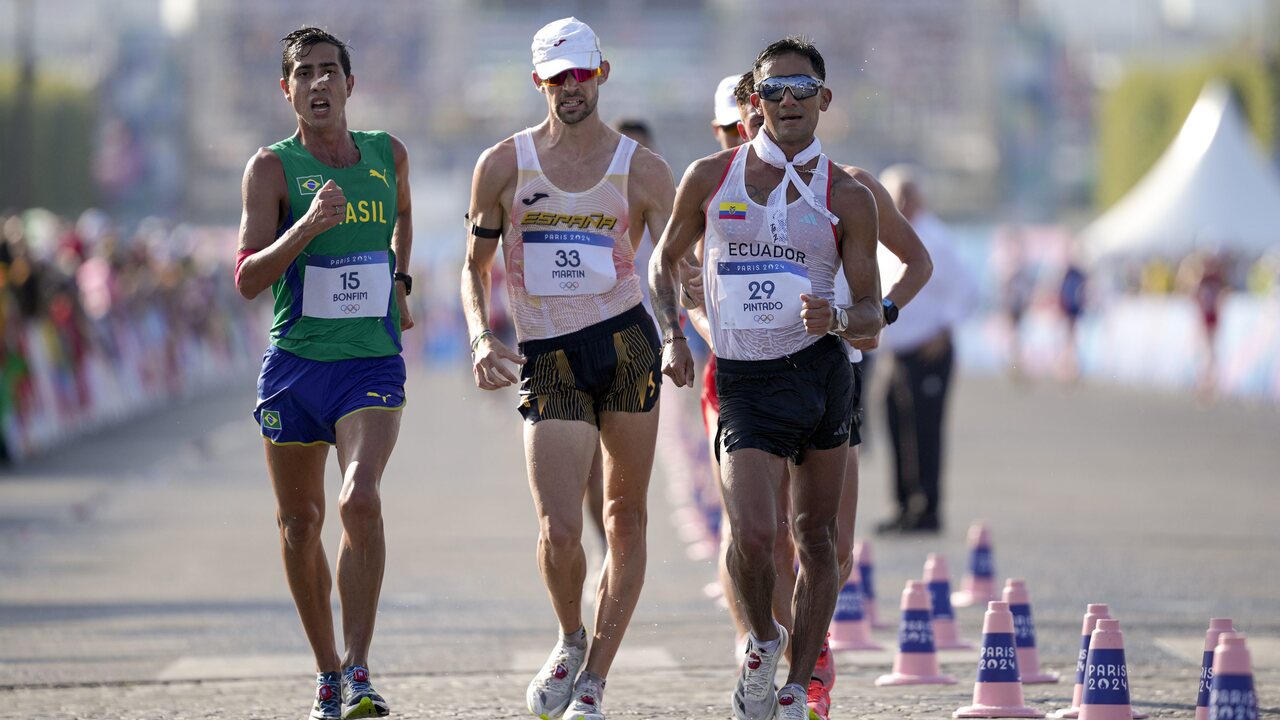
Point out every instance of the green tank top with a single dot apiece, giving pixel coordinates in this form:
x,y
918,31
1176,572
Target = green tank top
x,y
337,300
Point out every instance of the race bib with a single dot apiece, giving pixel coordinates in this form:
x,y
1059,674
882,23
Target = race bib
x,y
347,286
568,262
756,294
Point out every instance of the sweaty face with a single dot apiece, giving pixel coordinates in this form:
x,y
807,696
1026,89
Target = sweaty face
x,y
788,120
317,88
573,101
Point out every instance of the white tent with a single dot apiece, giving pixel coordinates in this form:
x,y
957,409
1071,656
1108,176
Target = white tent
x,y
1212,189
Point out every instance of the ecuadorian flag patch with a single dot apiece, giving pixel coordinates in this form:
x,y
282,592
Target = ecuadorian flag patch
x,y
733,211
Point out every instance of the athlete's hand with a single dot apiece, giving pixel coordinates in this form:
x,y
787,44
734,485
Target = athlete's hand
x,y
819,316
328,208
402,300
488,366
677,362
866,343
691,292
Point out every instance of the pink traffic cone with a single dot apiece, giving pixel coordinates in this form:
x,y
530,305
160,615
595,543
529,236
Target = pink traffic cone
x,y
944,618
1217,626
979,584
1024,630
850,629
1091,615
916,662
998,691
1106,677
1231,696
865,563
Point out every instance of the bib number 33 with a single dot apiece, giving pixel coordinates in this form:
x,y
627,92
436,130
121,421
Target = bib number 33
x,y
568,263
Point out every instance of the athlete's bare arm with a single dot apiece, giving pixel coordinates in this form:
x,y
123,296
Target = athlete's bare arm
x,y
651,189
688,222
692,294
493,182
265,201
402,233
854,204
901,239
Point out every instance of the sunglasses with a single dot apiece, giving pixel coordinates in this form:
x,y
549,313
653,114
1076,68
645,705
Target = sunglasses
x,y
578,74
801,87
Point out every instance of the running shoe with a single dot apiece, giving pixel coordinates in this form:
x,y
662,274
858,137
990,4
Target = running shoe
x,y
756,697
819,701
791,703
825,669
359,700
328,705
552,688
588,694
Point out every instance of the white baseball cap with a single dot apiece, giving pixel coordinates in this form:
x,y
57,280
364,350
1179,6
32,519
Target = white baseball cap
x,y
563,45
726,104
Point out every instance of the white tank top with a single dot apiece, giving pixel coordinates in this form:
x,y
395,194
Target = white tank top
x,y
753,284
570,262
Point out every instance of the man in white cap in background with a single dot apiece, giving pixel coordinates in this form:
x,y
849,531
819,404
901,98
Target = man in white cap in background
x,y
570,199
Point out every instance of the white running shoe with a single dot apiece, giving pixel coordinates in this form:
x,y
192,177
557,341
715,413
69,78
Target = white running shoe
x,y
588,694
552,688
793,703
756,697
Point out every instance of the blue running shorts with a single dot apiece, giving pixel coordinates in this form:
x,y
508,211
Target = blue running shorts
x,y
300,401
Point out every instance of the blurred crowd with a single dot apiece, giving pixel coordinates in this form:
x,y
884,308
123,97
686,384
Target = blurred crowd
x,y
99,321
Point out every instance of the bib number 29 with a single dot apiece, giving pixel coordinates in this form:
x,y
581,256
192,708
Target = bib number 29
x,y
756,288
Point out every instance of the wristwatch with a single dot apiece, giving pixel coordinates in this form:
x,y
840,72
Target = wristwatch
x,y
890,311
840,322
407,279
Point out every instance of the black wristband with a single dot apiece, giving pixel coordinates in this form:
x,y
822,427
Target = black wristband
x,y
405,278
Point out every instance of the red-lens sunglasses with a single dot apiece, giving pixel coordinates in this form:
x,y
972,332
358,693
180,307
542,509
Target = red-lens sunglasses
x,y
579,74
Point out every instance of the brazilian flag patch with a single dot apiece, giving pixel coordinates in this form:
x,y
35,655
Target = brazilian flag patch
x,y
270,419
310,184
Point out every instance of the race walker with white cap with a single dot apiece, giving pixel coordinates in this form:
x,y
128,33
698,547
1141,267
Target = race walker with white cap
x,y
569,199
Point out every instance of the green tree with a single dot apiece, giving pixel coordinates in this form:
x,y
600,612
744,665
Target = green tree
x,y
58,148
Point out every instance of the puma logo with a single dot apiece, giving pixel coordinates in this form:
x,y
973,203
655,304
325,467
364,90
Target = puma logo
x,y
380,176
385,398
536,197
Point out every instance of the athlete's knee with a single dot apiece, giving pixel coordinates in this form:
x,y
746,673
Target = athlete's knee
x,y
754,544
301,526
816,539
625,526
559,535
360,505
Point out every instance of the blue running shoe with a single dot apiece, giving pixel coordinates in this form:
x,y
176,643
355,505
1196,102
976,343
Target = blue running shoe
x,y
359,700
328,705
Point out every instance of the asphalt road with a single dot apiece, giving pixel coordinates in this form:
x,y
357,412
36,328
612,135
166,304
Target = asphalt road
x,y
140,573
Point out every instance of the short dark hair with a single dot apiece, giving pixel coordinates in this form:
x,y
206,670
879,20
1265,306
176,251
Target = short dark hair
x,y
635,129
792,44
297,44
745,87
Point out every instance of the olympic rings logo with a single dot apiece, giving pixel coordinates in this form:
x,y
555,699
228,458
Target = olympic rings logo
x,y
569,285
349,309
763,319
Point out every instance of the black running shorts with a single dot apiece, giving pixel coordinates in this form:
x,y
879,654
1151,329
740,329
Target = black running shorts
x,y
789,405
855,428
614,365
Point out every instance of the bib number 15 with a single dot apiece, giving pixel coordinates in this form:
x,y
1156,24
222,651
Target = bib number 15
x,y
350,280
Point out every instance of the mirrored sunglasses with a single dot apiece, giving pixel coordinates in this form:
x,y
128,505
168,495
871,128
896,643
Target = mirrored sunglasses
x,y
801,87
579,75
